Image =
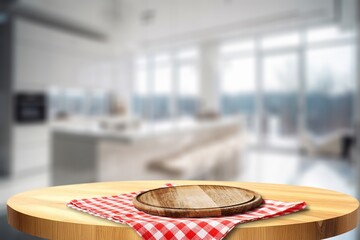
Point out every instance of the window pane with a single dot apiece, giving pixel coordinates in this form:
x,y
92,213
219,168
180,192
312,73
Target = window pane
x,y
188,81
75,100
162,90
99,103
330,89
56,102
232,47
187,54
188,90
283,40
238,76
162,80
280,73
280,99
141,94
141,82
238,89
327,33
161,58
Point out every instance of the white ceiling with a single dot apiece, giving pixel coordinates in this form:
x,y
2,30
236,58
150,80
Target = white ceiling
x,y
171,20
133,22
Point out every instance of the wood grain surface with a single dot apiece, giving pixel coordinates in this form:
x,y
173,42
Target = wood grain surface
x,y
42,212
197,201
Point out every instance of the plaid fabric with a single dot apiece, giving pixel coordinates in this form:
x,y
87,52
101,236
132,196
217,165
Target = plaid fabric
x,y
120,209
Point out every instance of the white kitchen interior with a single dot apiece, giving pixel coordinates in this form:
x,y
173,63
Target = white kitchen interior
x,y
106,90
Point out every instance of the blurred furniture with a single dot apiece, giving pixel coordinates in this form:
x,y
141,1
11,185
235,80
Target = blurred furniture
x,y
88,152
43,212
30,147
117,107
208,115
336,144
211,159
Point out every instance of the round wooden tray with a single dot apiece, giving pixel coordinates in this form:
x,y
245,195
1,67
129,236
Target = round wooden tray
x,y
197,201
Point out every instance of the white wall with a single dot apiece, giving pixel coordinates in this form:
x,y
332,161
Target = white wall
x,y
47,57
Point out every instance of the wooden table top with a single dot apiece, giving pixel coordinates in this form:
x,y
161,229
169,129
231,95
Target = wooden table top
x,y
43,212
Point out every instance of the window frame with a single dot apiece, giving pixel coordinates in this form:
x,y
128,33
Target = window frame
x,y
175,62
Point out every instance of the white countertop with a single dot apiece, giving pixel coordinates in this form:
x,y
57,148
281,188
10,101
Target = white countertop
x,y
132,130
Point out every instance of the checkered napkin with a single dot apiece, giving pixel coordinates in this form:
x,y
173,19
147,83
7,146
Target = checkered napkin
x,y
120,209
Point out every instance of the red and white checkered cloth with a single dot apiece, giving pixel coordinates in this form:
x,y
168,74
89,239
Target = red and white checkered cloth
x,y
120,209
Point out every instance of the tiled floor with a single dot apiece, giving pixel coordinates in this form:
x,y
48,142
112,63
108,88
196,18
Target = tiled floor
x,y
291,168
256,166
8,187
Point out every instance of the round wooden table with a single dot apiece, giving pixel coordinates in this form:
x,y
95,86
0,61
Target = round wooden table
x,y
43,212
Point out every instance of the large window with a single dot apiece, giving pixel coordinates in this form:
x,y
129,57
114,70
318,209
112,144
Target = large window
x,y
141,94
280,97
291,39
238,83
78,102
163,87
238,88
167,85
188,84
291,82
330,93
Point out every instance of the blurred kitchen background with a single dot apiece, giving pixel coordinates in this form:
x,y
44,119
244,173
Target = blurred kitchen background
x,y
106,90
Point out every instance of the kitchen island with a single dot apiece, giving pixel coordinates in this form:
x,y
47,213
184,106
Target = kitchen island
x,y
103,150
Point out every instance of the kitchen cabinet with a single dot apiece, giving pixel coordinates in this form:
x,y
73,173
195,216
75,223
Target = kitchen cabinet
x,y
30,148
45,57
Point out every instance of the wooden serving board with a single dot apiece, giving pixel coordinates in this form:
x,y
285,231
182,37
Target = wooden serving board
x,y
197,201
